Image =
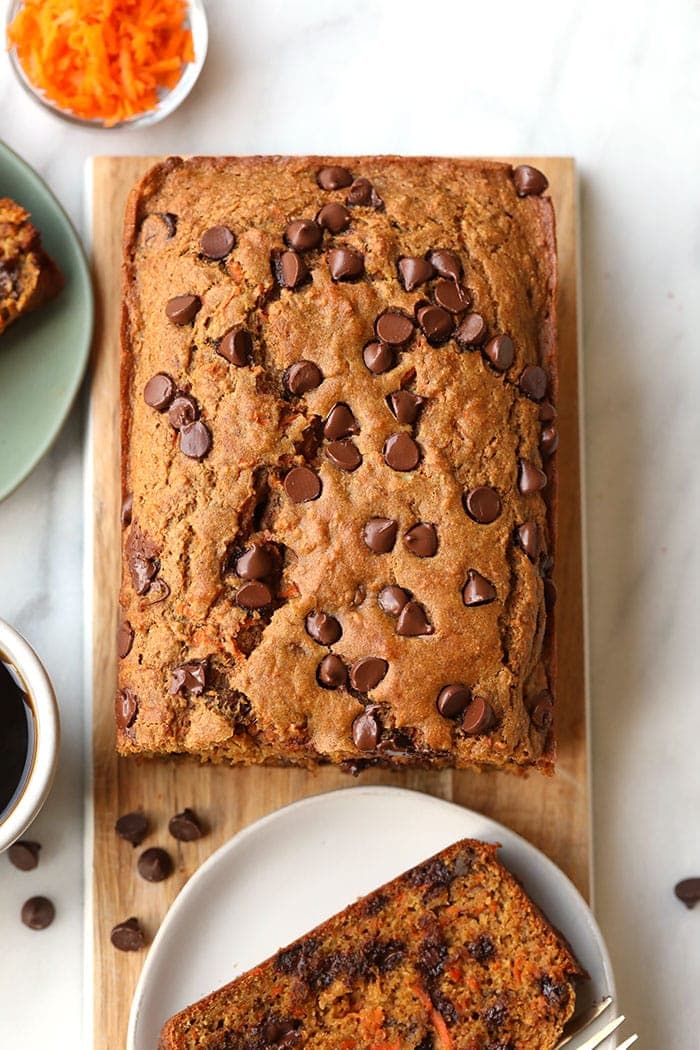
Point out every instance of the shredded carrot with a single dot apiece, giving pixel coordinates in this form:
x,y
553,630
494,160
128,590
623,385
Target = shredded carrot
x,y
436,1018
102,59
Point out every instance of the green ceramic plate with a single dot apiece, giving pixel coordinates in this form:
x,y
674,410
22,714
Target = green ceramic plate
x,y
43,355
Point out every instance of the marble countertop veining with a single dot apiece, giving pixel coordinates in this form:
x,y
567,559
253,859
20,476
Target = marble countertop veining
x,y
615,85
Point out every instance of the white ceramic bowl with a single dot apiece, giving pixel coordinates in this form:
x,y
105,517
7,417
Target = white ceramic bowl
x,y
29,669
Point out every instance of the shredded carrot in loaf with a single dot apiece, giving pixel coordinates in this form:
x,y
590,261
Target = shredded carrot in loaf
x,y
436,1018
102,59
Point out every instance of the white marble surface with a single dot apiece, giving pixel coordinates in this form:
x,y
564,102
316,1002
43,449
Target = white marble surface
x,y
616,85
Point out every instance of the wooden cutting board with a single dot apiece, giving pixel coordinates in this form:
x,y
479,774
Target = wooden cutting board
x,y
551,813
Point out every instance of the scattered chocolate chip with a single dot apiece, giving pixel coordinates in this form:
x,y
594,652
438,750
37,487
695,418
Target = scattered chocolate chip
x,y
189,677
363,194
195,440
125,639
340,423
183,411
392,599
289,269
303,235
24,855
302,376
333,217
533,382
529,538
451,296
38,913
413,621
365,731
378,357
394,328
688,891
127,510
477,590
253,595
380,534
132,827
483,504
143,570
405,406
529,180
157,228
345,264
182,309
478,717
185,826
216,242
422,540
541,710
344,454
530,478
436,323
471,331
446,263
546,412
333,178
128,936
154,864
414,271
332,672
401,452
500,352
157,592
125,709
301,484
453,700
324,629
367,672
159,391
257,562
236,347
549,441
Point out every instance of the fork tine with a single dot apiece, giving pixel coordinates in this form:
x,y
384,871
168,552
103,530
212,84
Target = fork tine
x,y
603,1034
579,1022
628,1042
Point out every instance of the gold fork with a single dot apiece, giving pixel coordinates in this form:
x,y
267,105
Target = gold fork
x,y
585,1020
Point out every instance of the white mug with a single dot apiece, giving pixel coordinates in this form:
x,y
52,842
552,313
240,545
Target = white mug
x,y
19,655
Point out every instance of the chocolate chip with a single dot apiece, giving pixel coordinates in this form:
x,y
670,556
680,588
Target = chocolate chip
x,y
394,328
380,534
405,406
195,440
345,264
333,178
257,562
363,194
436,323
236,347
546,412
183,411
253,595
483,504
367,672
688,891
302,485
477,590
340,422
125,709
422,540
478,717
392,599
333,217
549,441
451,296
157,592
414,271
125,639
401,452
182,309
471,331
542,711
500,352
143,571
127,510
344,454
185,826
530,478
132,827
38,913
159,391
529,538
378,357
24,855
323,628
529,180
332,672
190,677
413,621
157,228
302,376
446,263
365,731
154,864
303,235
533,382
216,242
453,700
289,269
128,936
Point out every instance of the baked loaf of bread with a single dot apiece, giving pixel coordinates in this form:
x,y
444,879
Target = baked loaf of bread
x,y
451,954
337,417
28,277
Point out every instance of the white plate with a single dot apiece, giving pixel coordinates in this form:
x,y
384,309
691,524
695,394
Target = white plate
x,y
298,866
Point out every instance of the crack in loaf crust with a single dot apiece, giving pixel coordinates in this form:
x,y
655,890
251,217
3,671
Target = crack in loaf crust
x,y
206,464
452,954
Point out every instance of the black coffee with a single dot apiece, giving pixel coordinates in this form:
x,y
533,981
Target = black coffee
x,y
16,738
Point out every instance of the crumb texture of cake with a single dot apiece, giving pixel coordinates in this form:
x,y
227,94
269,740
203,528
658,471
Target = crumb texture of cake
x,y
452,955
338,436
28,277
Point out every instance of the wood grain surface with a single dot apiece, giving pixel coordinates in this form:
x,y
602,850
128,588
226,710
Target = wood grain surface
x,y
553,813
